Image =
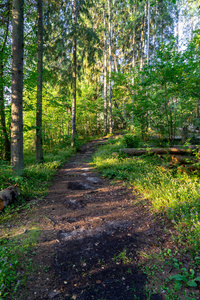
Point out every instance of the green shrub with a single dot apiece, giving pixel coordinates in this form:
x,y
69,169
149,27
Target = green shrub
x,y
131,141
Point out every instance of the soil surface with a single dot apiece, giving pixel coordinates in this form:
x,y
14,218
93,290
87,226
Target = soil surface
x,y
93,232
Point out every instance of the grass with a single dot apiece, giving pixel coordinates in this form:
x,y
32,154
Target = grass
x,y
34,181
173,193
16,243
16,261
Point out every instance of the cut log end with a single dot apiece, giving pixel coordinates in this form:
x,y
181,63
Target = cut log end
x,y
1,205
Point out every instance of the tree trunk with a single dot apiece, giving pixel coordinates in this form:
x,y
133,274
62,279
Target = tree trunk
x,y
177,23
133,65
17,158
148,42
198,115
110,68
192,27
142,39
105,75
115,63
148,30
74,77
39,150
6,142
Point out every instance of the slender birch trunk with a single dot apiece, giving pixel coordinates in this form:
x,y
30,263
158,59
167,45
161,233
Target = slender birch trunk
x,y
110,67
105,74
148,30
17,158
74,77
177,23
155,30
192,26
148,42
142,40
39,150
133,63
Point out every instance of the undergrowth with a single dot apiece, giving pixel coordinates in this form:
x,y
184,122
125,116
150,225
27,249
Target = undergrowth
x,y
15,261
172,192
34,181
15,251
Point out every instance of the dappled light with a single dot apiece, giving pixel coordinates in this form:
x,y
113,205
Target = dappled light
x,y
99,150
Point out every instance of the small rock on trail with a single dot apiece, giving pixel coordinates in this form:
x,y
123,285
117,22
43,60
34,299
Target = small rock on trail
x,y
79,186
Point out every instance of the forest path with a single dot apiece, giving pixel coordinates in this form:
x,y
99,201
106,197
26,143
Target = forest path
x,y
92,235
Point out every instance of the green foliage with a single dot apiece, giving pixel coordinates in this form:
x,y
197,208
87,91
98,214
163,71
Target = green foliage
x,y
35,179
186,278
15,252
123,257
131,141
15,258
173,193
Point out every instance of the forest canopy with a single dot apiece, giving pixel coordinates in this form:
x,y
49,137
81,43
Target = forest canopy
x,y
91,67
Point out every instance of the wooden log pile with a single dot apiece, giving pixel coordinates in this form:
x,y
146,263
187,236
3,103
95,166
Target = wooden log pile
x,y
179,156
172,150
8,196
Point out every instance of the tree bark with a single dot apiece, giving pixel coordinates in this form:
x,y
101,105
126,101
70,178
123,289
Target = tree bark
x,y
142,39
148,29
105,74
133,64
17,158
39,150
198,114
110,68
177,24
74,77
148,42
6,142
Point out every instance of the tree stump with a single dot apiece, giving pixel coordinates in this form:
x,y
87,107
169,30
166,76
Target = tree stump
x,y
8,195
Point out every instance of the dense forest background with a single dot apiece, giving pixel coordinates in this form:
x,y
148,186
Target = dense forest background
x,y
91,67
73,70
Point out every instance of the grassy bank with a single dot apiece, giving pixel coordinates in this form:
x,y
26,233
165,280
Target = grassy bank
x,y
17,242
173,193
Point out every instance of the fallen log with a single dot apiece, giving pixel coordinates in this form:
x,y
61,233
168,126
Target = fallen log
x,y
183,160
171,150
8,195
190,147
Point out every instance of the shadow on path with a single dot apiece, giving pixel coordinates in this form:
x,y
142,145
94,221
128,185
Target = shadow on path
x,y
91,235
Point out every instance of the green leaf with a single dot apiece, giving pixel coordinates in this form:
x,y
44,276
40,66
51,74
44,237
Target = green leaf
x,y
197,278
178,277
192,272
191,283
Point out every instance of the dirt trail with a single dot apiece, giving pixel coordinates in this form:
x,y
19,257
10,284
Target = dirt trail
x,y
92,232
